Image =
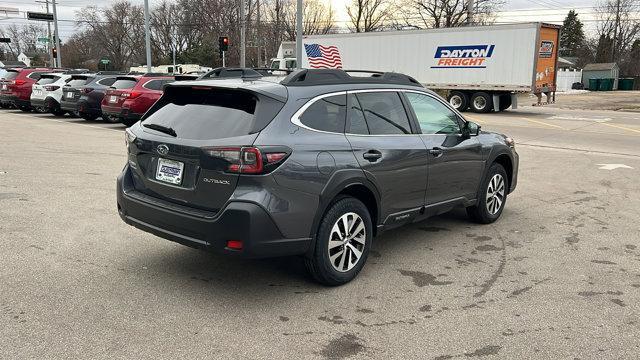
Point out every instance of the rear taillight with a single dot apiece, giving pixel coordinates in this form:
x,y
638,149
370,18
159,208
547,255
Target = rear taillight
x,y
129,137
131,95
249,159
86,90
51,87
19,82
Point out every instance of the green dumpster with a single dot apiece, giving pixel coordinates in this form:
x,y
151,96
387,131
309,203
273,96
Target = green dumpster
x,y
606,84
594,84
626,84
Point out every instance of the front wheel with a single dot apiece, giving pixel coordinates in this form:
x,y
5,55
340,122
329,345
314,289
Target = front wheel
x,y
459,100
342,243
481,102
492,196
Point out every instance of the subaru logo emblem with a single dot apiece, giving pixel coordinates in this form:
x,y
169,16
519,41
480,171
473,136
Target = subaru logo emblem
x,y
162,149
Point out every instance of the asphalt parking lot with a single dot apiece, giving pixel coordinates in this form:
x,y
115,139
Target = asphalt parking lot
x,y
558,276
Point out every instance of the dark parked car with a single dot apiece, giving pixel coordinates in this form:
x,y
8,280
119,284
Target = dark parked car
x,y
131,96
315,165
86,99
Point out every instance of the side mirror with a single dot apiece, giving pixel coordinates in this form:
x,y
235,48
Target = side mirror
x,y
473,129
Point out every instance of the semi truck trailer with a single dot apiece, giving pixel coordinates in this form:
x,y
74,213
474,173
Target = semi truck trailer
x,y
482,68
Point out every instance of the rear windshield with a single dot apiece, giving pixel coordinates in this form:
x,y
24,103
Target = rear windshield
x,y
11,75
47,80
124,84
78,81
206,114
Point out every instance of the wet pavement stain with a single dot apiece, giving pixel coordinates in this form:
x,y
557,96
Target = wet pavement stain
x,y
283,318
618,302
488,248
343,347
374,254
336,319
425,308
364,310
573,239
630,247
604,262
421,279
485,351
483,238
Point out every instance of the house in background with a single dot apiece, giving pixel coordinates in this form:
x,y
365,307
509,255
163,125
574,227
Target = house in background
x,y
600,71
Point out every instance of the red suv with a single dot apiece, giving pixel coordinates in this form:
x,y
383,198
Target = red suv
x,y
15,87
132,95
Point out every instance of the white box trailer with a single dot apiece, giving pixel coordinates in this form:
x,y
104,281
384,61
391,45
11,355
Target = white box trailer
x,y
480,67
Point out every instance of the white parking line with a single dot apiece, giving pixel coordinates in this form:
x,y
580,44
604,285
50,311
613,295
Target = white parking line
x,y
66,122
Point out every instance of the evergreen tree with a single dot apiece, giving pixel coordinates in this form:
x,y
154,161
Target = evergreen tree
x,y
572,38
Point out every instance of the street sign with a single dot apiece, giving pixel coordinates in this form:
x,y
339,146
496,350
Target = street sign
x,y
105,61
5,40
39,16
43,39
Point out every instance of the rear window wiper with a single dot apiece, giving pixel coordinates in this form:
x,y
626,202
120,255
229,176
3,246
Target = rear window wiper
x,y
163,129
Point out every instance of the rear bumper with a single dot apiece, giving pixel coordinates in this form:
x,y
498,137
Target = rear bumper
x,y
120,113
45,103
69,105
244,221
10,99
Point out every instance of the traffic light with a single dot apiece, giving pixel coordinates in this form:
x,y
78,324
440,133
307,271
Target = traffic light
x,y
223,43
54,51
4,40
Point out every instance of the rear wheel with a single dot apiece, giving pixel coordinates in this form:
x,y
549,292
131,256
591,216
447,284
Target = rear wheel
x,y
492,196
342,243
128,122
481,102
25,108
459,100
88,117
110,119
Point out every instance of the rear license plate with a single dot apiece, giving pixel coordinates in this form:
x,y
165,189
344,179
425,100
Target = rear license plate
x,y
69,95
4,87
113,98
170,171
37,92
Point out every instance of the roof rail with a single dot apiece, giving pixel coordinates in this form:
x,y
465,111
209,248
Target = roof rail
x,y
186,77
226,72
311,77
111,73
156,74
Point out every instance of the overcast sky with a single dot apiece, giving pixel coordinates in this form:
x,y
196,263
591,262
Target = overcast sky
x,y
512,11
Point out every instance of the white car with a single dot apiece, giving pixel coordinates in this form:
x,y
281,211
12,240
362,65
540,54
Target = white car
x,y
47,92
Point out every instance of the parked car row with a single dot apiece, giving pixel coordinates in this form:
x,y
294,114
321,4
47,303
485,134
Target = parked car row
x,y
112,96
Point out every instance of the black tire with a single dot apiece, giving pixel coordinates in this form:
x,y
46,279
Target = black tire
x,y
25,108
505,102
110,119
480,212
88,117
481,102
128,122
319,264
459,100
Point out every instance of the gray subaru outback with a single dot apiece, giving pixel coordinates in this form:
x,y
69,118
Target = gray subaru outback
x,y
316,165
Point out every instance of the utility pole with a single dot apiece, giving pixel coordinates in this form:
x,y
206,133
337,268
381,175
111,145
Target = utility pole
x,y
49,43
243,29
258,38
57,36
147,34
469,12
299,34
614,46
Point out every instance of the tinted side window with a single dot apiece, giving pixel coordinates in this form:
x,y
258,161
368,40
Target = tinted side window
x,y
356,123
47,80
124,84
35,75
384,113
326,114
153,85
433,116
107,81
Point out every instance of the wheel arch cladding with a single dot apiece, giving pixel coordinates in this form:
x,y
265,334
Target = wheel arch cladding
x,y
364,194
507,164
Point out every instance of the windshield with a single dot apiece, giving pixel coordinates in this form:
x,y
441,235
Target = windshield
x,y
11,75
47,80
77,82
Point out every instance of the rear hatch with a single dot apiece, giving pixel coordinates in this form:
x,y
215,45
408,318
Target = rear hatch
x,y
189,145
72,90
40,89
120,90
8,80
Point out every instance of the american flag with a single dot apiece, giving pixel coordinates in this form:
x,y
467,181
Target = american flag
x,y
323,57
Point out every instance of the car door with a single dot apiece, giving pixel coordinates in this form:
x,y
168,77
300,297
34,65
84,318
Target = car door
x,y
389,151
456,163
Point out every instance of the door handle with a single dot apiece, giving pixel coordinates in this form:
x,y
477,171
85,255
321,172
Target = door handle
x,y
436,152
372,155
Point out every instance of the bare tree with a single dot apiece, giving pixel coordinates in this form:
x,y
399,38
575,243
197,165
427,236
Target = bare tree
x,y
317,18
448,13
618,21
369,15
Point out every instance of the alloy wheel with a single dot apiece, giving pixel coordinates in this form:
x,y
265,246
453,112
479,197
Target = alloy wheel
x,y
495,194
346,242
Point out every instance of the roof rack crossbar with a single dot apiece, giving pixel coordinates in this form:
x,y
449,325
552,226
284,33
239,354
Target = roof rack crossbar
x,y
310,77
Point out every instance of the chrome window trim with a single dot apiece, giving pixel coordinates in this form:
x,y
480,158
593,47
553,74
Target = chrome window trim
x,y
295,119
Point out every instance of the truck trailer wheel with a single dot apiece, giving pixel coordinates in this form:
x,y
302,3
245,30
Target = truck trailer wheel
x,y
481,102
459,100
